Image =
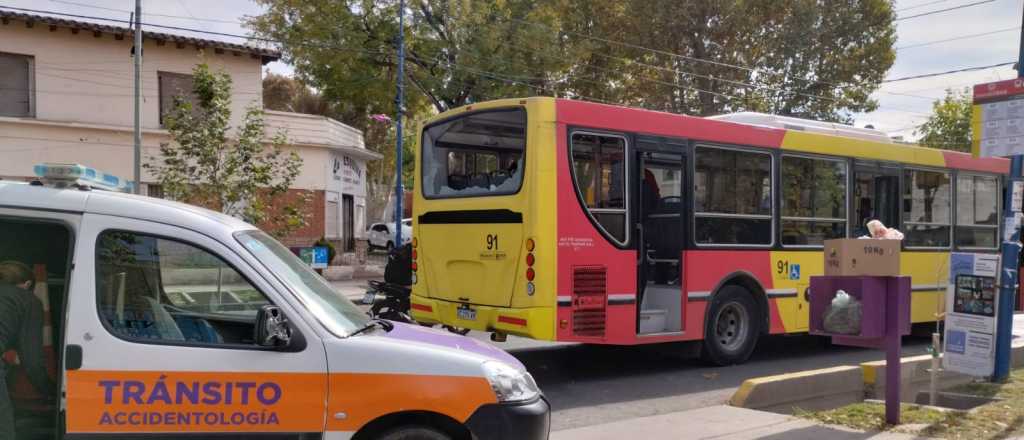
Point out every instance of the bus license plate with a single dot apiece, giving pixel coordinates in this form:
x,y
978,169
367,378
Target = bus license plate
x,y
466,314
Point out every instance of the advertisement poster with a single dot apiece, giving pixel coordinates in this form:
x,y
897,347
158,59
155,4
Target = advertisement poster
x,y
971,307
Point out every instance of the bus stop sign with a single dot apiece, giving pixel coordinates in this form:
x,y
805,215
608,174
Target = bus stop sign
x,y
998,118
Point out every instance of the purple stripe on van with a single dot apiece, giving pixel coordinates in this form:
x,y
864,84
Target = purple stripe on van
x,y
417,333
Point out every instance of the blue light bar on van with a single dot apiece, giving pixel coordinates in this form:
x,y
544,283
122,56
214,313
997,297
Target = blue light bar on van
x,y
62,175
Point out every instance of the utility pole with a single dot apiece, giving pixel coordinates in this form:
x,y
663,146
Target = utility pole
x,y
137,53
400,104
1011,258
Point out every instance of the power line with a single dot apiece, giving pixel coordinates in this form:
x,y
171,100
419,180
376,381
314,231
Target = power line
x,y
148,14
949,72
920,5
923,14
964,37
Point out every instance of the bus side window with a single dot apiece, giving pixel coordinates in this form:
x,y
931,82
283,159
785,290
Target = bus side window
x,y
927,214
813,200
732,197
599,168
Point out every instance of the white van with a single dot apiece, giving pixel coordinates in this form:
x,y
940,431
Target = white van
x,y
166,318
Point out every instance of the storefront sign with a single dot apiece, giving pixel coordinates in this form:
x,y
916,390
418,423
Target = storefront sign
x,y
351,173
972,300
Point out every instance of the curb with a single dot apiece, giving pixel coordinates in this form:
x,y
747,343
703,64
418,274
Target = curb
x,y
809,390
838,386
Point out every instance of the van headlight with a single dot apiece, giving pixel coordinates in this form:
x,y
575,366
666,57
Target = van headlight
x,y
510,384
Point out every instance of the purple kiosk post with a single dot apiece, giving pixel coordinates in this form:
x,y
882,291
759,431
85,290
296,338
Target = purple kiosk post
x,y
885,318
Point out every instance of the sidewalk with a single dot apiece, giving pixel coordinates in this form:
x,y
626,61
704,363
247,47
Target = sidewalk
x,y
719,422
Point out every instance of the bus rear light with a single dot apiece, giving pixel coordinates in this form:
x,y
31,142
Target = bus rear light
x,y
530,274
529,259
422,307
530,245
413,266
414,277
530,288
415,243
414,254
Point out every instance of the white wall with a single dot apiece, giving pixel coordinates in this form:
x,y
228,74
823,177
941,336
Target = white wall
x,y
81,78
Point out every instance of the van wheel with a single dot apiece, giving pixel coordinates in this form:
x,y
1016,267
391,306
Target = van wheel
x,y
730,332
414,433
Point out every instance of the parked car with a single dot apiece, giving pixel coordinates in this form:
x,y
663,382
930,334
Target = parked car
x,y
382,235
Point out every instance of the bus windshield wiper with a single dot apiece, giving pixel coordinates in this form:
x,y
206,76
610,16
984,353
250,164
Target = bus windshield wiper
x,y
383,324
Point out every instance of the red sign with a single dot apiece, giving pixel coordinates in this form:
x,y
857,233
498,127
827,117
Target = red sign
x,y
998,90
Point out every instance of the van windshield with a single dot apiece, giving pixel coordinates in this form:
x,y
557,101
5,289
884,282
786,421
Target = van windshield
x,y
476,154
333,310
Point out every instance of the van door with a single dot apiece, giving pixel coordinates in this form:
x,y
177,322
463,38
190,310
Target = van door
x,y
160,340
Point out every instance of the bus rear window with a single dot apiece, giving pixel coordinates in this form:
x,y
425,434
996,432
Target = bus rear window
x,y
474,155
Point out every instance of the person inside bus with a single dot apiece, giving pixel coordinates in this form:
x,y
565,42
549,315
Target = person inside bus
x,y
21,329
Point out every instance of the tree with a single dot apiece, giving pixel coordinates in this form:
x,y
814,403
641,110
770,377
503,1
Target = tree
x,y
237,175
949,126
809,58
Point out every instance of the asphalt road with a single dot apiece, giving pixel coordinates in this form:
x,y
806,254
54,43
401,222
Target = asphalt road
x,y
593,384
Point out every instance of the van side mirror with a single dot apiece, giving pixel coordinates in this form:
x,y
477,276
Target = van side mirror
x,y
272,329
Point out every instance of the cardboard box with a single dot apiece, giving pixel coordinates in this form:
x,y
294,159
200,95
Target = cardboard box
x,y
862,256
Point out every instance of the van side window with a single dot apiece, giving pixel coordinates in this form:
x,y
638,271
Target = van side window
x,y
154,288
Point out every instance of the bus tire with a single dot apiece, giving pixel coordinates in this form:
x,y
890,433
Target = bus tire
x,y
730,330
414,433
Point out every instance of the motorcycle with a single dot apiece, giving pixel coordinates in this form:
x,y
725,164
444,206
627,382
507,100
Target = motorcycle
x,y
390,299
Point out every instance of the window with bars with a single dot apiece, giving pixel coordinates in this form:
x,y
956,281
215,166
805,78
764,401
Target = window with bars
x,y
16,85
174,85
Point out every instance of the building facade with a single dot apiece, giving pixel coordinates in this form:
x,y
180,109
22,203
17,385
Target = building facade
x,y
66,96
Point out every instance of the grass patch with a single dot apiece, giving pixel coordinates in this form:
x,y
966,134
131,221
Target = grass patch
x,y
871,416
996,420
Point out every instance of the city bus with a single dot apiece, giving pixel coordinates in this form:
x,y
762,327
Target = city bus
x,y
564,220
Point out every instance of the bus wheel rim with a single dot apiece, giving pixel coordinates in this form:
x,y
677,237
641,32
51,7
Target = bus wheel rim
x,y
731,326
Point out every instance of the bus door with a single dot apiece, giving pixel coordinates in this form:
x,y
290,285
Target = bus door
x,y
660,181
876,195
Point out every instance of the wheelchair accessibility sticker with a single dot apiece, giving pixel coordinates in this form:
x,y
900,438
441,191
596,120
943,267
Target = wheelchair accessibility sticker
x,y
794,271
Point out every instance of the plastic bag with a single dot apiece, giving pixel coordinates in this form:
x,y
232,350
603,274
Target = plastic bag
x,y
877,229
843,316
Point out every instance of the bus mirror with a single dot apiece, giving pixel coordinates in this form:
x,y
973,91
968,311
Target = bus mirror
x,y
272,329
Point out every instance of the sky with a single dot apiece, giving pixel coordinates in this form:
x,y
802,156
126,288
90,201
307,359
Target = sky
x,y
903,105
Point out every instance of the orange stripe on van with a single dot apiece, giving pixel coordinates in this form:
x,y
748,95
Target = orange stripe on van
x,y
363,397
151,402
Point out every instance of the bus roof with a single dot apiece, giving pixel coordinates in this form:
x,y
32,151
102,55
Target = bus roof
x,y
756,132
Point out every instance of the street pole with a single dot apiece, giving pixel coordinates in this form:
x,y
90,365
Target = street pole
x,y
138,97
400,104
1011,258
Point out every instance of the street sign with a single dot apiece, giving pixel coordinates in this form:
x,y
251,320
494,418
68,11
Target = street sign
x,y
998,118
972,302
315,257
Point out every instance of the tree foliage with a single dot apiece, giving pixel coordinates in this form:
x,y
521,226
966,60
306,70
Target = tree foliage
x,y
810,58
290,94
949,126
232,171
